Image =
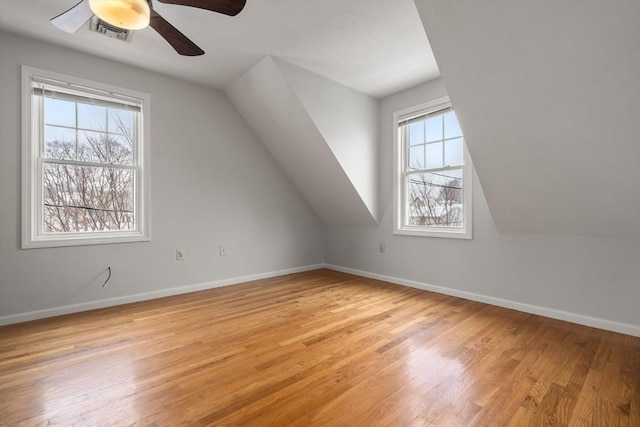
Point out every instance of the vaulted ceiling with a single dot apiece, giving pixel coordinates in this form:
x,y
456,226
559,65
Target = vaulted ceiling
x,y
547,94
548,97
322,134
376,47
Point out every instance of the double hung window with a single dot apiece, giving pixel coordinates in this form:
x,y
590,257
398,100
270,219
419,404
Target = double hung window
x,y
85,162
433,173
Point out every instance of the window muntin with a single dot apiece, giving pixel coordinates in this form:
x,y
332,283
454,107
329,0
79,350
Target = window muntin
x,y
433,171
85,158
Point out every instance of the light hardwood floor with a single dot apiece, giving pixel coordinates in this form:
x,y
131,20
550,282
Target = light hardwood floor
x,y
319,348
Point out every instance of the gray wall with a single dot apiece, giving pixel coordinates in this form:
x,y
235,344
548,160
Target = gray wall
x,y
580,277
548,93
282,105
212,183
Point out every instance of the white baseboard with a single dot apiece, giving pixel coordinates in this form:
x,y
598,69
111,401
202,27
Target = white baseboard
x,y
580,319
109,302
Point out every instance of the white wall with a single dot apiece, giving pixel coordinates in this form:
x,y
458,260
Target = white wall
x,y
548,95
212,183
591,280
273,108
348,121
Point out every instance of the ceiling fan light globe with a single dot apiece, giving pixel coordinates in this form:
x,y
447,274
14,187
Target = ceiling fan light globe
x,y
127,14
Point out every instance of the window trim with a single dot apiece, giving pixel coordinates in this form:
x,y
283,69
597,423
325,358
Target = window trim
x,y
399,185
31,186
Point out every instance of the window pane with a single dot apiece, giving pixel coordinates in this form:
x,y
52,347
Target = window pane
x,y
59,143
434,155
434,129
78,198
416,133
59,112
121,150
453,152
121,121
435,199
92,147
416,157
451,127
92,117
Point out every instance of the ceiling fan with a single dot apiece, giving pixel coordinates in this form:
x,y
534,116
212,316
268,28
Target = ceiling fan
x,y
138,14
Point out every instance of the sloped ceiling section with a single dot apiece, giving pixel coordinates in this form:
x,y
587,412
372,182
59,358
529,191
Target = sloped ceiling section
x,y
548,96
306,122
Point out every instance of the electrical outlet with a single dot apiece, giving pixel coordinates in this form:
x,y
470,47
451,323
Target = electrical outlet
x,y
180,254
382,247
223,251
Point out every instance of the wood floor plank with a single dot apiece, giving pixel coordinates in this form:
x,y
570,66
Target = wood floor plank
x,y
319,348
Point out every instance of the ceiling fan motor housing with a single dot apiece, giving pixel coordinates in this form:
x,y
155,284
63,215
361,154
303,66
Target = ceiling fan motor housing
x,y
99,26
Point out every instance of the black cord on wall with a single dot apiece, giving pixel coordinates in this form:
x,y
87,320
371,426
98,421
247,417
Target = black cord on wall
x,y
108,277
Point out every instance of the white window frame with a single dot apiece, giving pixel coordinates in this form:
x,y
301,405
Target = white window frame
x,y
32,235
400,153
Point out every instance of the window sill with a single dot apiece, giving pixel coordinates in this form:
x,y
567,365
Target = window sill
x,y
447,234
75,240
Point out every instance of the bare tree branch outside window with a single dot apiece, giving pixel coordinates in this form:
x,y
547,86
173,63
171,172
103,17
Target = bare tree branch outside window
x,y
433,169
435,199
91,197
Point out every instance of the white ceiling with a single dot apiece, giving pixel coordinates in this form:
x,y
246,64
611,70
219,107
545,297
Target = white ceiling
x,y
376,47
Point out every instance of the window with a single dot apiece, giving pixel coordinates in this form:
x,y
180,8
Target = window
x,y
432,173
85,162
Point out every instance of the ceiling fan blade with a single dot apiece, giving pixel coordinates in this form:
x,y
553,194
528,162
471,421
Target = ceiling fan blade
x,y
74,18
228,7
176,39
